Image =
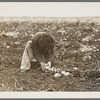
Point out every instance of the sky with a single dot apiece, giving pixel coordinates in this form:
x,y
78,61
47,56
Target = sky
x,y
51,9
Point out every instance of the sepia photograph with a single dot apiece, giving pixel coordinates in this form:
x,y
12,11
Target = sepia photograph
x,y
49,47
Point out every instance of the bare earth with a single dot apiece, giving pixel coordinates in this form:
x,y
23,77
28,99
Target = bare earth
x,y
78,46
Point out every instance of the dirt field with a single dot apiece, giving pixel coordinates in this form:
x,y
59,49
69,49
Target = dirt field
x,y
77,51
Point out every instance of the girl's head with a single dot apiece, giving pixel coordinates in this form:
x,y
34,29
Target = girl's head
x,y
47,42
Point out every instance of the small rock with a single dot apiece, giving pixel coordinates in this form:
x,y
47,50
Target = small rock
x,y
98,39
63,72
75,51
94,47
8,47
57,75
97,49
50,89
95,40
67,74
94,50
75,68
97,30
82,79
16,43
64,39
34,60
83,50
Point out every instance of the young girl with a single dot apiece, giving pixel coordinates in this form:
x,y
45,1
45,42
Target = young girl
x,y
39,48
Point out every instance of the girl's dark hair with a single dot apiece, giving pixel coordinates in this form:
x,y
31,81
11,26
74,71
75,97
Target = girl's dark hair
x,y
46,43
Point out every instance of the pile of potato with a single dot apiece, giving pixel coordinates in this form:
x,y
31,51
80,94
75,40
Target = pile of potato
x,y
46,67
